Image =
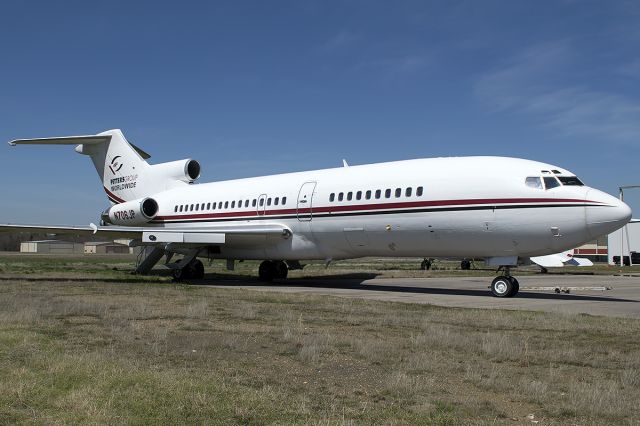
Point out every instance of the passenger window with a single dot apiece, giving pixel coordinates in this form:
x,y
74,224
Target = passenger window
x,y
268,201
240,204
276,201
191,208
551,182
284,200
208,206
197,207
387,193
359,195
349,196
407,192
398,192
213,206
368,195
419,191
175,210
226,204
220,205
332,197
261,202
340,196
378,192
181,209
534,182
233,204
246,203
253,203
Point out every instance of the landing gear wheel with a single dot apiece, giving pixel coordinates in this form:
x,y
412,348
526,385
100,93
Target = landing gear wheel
x,y
502,286
267,271
196,269
178,274
465,265
516,286
425,265
281,269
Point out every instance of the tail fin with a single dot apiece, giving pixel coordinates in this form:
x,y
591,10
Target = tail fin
x,y
122,168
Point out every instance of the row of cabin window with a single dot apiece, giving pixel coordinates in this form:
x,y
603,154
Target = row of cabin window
x,y
226,204
408,192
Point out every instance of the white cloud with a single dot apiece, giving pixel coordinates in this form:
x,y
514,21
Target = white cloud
x,y
541,81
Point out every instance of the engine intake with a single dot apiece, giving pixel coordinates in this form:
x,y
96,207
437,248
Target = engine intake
x,y
131,213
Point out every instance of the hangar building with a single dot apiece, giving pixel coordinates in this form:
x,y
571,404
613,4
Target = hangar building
x,y
102,247
627,240
51,247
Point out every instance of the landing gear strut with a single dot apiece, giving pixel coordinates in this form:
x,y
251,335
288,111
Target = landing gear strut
x,y
193,270
505,285
273,269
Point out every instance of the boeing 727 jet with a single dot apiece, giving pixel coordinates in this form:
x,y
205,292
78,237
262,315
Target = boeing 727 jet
x,y
505,210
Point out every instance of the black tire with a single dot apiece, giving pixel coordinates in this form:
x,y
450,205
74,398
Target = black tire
x,y
425,265
465,265
267,271
178,274
196,269
516,286
281,270
501,287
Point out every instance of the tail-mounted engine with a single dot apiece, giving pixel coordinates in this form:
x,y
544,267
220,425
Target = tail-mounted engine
x,y
131,213
182,170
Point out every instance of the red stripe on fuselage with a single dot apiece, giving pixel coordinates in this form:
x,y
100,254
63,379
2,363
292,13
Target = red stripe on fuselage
x,y
377,206
113,196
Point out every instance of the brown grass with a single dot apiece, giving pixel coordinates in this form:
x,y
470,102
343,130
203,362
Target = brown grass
x,y
109,351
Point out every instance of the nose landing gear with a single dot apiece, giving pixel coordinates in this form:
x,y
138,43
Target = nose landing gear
x,y
505,285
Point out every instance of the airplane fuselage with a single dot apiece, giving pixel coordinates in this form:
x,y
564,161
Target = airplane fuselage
x,y
476,207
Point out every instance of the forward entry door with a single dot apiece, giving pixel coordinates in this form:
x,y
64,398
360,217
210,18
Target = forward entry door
x,y
305,201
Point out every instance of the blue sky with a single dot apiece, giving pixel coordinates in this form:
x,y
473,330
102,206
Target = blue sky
x,y
255,87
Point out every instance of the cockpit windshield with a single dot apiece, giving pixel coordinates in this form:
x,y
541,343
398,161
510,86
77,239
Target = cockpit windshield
x,y
549,182
570,181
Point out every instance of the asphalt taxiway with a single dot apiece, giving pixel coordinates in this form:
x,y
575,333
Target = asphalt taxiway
x,y
537,293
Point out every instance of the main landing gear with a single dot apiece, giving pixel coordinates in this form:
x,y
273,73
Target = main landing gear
x,y
193,270
273,269
505,285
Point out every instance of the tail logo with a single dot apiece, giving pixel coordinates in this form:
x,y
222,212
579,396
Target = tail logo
x,y
115,165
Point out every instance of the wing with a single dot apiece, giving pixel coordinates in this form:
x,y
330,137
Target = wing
x,y
154,235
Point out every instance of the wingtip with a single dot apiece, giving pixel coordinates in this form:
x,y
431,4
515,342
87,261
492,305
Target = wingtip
x,y
12,143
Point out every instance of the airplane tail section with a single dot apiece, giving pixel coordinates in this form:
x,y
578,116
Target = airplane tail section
x,y
122,166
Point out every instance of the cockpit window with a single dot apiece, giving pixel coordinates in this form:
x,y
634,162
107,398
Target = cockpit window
x,y
570,181
534,182
551,182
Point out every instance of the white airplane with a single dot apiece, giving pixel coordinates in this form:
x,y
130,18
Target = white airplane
x,y
505,210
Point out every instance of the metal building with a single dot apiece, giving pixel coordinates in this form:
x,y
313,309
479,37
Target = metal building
x,y
52,247
101,247
626,240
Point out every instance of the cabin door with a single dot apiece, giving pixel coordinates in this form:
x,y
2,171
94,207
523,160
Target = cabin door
x,y
305,201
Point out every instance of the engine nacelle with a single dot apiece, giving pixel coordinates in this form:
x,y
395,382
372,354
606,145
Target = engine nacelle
x,y
131,213
183,170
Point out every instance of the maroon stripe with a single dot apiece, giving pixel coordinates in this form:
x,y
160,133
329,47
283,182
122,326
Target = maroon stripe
x,y
378,206
112,195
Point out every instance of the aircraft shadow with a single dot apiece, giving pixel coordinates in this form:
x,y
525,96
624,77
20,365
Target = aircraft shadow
x,y
349,282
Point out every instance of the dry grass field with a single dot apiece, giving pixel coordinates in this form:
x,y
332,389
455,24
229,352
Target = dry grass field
x,y
81,342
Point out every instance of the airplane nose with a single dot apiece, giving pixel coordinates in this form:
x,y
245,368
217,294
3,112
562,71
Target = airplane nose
x,y
605,213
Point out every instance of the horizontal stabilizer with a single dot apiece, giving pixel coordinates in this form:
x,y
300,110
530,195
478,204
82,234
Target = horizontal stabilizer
x,y
65,140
